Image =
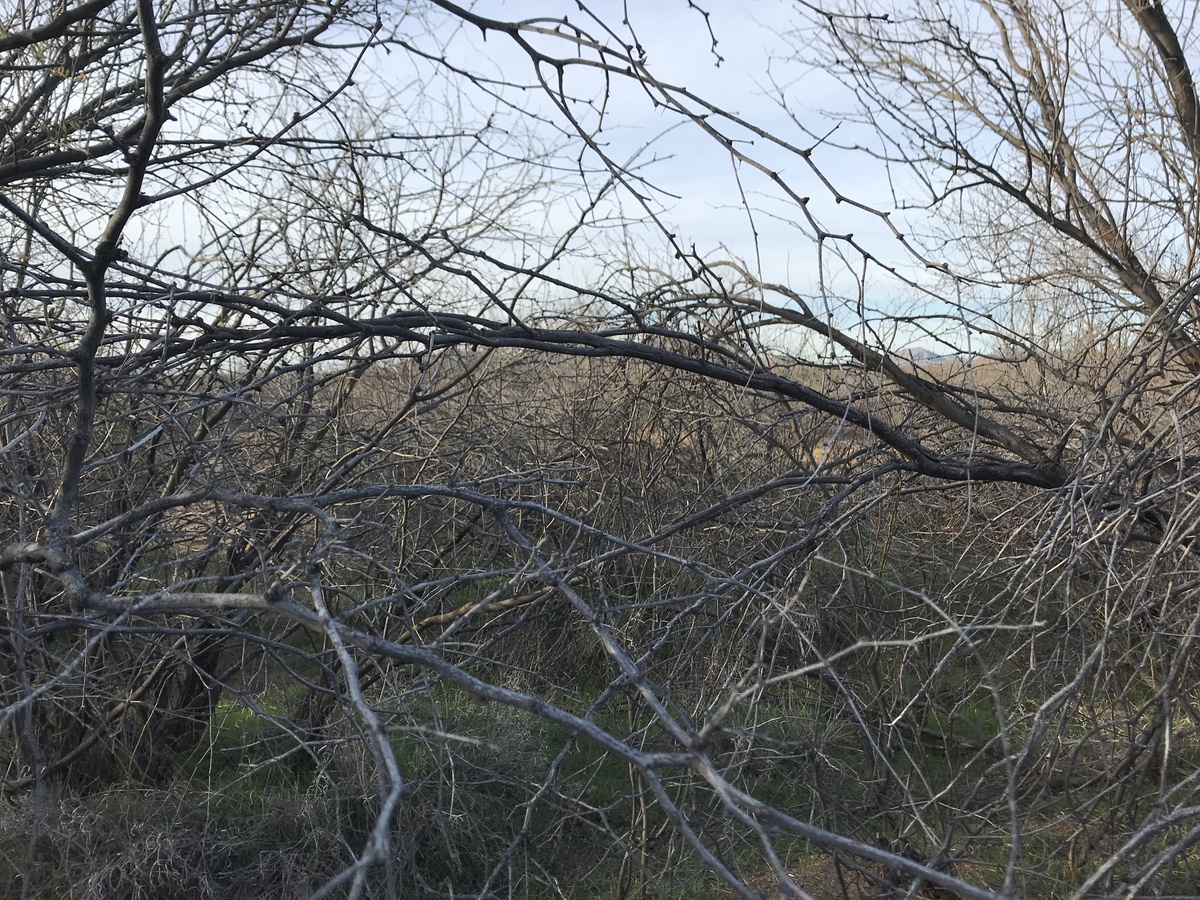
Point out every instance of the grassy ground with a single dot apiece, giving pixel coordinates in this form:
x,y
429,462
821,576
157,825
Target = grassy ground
x,y
899,750
500,802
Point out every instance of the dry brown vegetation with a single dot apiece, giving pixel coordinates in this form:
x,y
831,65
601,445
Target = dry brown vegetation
x,y
349,547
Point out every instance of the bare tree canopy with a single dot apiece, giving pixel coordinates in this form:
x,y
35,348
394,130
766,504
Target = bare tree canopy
x,y
399,502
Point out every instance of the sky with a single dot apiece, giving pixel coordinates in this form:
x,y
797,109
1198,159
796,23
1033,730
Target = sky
x,y
699,184
701,194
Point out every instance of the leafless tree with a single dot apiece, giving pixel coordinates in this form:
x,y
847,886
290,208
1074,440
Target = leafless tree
x,y
359,459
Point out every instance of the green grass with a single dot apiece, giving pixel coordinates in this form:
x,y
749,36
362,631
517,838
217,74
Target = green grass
x,y
248,810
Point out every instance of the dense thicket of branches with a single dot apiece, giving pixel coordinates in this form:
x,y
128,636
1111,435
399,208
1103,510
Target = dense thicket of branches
x,y
394,505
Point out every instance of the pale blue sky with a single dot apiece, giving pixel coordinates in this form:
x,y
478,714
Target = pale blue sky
x,y
699,195
753,40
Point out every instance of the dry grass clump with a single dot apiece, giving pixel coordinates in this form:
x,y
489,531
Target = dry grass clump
x,y
173,844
